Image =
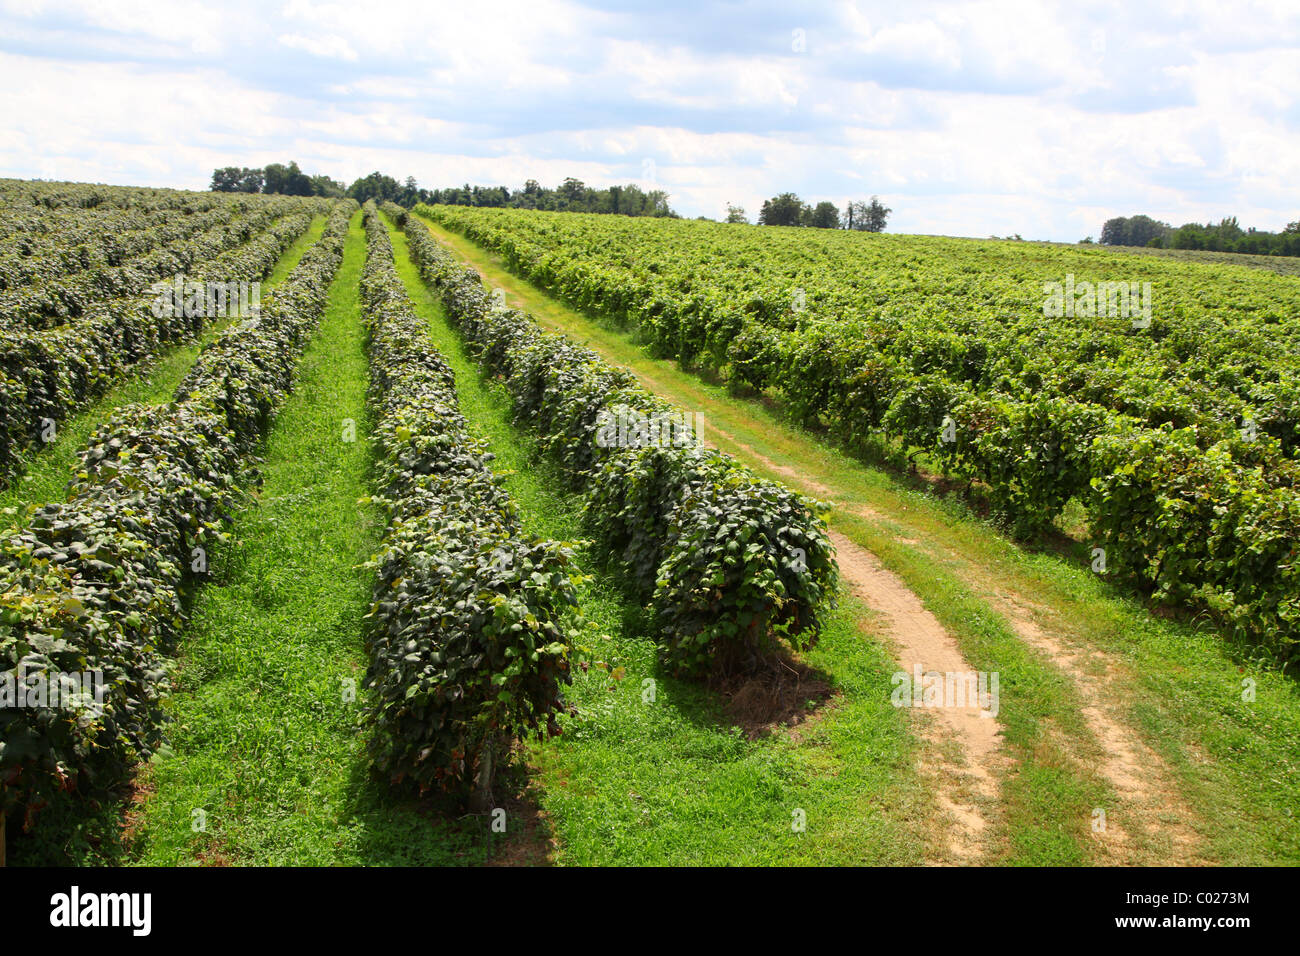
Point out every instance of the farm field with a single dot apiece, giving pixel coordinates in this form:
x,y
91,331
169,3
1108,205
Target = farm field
x,y
505,537
1159,402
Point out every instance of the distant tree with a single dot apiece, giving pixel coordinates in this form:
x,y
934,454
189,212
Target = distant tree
x,y
825,216
572,191
330,188
297,183
1114,231
376,186
410,193
276,177
236,179
866,216
226,179
787,209
286,180
572,196
632,200
1229,229
855,214
877,215
1133,231
656,204
735,214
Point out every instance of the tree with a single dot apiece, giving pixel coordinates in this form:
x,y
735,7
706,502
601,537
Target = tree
x,y
866,216
376,186
297,183
855,214
226,180
410,193
286,180
330,188
877,215
572,191
656,204
825,216
572,196
276,175
735,214
236,179
1133,231
787,209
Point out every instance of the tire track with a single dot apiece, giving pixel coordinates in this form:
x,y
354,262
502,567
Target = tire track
x,y
962,752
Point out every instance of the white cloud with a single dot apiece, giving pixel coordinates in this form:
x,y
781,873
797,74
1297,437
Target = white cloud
x,y
998,116
330,46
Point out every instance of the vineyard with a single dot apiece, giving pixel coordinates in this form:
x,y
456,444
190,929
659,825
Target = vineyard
x,y
1176,430
486,535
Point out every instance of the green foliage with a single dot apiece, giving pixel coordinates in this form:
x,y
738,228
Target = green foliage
x,y
572,195
889,338
1224,236
786,209
53,361
728,563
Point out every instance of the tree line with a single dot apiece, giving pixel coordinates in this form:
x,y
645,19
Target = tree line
x,y
787,209
573,195
1224,236
274,178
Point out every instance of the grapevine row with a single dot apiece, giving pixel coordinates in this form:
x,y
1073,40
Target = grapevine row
x,y
65,295
467,641
45,375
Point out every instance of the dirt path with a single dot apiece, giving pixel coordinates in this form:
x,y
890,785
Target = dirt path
x,y
1152,816
1151,809
962,745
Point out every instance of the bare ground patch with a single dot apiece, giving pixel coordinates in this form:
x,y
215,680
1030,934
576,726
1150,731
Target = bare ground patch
x,y
784,693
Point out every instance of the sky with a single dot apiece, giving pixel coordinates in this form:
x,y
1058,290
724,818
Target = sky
x,y
970,119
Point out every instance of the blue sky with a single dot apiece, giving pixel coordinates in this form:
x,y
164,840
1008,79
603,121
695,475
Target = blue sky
x,y
975,119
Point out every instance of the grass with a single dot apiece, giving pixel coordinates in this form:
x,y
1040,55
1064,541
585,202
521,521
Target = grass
x,y
1236,762
49,468
672,780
